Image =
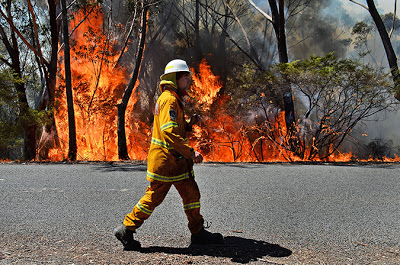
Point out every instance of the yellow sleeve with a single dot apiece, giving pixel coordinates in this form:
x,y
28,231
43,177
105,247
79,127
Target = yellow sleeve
x,y
173,127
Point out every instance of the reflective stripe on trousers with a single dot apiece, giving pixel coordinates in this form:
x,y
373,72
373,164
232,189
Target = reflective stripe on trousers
x,y
154,176
154,196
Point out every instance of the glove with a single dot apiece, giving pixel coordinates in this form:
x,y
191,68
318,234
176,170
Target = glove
x,y
197,157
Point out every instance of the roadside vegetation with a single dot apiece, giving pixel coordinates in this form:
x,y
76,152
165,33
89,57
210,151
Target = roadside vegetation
x,y
295,83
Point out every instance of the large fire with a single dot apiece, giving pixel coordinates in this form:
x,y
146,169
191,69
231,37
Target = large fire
x,y
98,85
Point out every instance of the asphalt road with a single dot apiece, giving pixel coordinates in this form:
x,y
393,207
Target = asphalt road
x,y
269,214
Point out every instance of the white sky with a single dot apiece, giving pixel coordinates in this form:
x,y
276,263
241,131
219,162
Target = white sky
x,y
382,5
387,5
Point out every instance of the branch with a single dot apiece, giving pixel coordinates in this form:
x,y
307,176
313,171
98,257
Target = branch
x,y
262,12
139,56
394,19
127,39
99,73
72,31
184,16
21,36
36,32
153,4
68,7
130,33
235,43
241,26
5,61
5,41
359,4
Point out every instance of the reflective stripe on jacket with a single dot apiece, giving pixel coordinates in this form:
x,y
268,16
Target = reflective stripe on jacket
x,y
170,155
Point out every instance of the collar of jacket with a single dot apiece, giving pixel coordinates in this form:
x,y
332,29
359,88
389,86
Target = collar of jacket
x,y
169,82
175,93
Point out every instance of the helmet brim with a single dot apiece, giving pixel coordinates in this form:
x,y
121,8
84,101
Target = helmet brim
x,y
162,76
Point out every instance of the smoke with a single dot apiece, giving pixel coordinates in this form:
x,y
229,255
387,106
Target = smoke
x,y
384,129
337,11
320,29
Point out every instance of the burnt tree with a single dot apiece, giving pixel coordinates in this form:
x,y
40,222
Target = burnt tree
x,y
390,54
122,105
68,87
387,44
278,21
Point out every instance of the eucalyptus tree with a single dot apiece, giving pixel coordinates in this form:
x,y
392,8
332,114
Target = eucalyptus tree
x,y
22,37
336,95
387,44
144,8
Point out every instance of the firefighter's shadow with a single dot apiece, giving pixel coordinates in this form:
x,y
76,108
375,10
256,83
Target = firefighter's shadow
x,y
238,249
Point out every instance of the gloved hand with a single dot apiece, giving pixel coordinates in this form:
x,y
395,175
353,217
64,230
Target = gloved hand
x,y
194,119
197,157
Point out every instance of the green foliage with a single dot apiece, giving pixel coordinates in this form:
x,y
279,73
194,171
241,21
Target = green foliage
x,y
9,131
362,29
253,89
361,33
332,96
12,122
337,94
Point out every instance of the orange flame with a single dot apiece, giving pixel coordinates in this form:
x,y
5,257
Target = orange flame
x,y
205,85
223,137
96,87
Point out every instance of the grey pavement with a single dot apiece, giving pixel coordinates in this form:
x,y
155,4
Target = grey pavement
x,y
269,213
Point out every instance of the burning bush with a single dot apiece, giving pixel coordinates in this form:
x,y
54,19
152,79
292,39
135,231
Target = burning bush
x,y
332,96
221,136
247,123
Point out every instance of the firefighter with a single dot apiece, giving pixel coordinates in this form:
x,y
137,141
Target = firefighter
x,y
170,161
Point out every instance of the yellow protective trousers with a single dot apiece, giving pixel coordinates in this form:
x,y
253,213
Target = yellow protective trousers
x,y
155,194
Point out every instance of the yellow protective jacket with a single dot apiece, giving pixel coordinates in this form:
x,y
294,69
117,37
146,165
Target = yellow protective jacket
x,y
169,157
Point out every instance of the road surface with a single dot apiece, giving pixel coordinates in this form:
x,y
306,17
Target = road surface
x,y
269,214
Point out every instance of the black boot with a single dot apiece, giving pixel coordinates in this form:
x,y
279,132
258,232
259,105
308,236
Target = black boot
x,y
204,238
125,235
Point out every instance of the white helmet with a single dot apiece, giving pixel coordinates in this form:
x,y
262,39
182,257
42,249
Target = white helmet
x,y
175,66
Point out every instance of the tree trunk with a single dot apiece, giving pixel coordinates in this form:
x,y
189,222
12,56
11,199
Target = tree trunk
x,y
52,66
68,87
390,54
48,99
222,59
278,21
121,107
278,18
197,41
25,119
